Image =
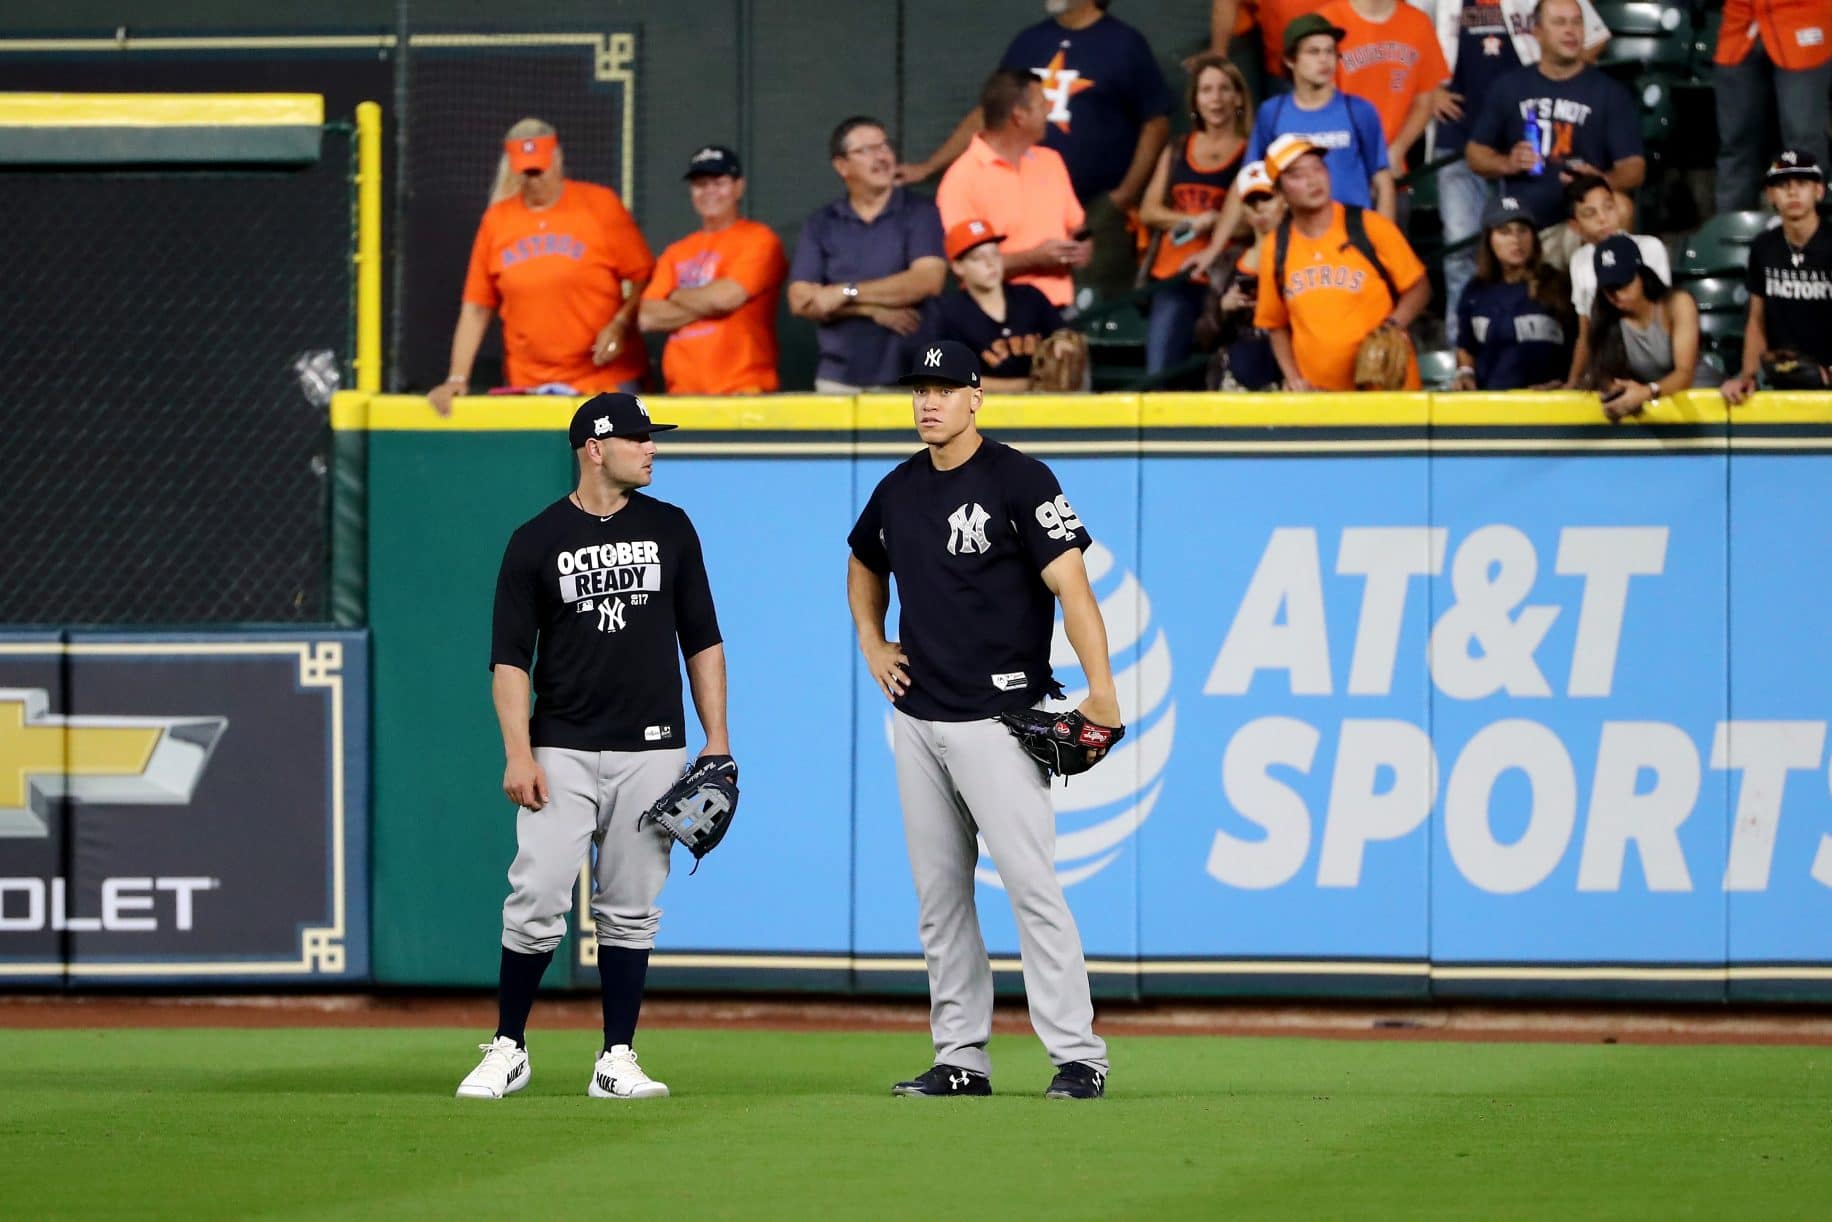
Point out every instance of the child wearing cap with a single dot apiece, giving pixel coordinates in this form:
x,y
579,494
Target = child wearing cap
x,y
1643,335
1513,324
1245,360
1003,322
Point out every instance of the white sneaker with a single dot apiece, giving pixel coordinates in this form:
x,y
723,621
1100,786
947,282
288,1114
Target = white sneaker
x,y
503,1071
618,1076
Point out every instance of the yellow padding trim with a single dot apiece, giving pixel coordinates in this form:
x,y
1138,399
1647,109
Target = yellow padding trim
x,y
890,413
1321,411
161,110
1117,411
505,413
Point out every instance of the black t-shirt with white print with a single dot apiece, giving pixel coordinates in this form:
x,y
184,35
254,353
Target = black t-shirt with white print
x,y
968,548
1796,291
608,601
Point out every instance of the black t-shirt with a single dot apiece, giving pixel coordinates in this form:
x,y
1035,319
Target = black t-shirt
x,y
608,601
1005,348
968,548
1589,117
1796,291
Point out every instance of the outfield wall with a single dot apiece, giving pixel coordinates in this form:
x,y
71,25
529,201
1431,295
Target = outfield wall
x,y
1448,695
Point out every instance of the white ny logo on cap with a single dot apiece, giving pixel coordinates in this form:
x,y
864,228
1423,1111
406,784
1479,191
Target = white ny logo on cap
x,y
641,408
932,359
601,426
1609,258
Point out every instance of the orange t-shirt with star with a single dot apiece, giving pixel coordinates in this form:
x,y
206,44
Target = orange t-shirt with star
x,y
1333,297
1389,63
556,276
734,354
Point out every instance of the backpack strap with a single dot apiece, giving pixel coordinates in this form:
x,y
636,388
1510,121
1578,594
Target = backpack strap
x,y
1357,226
1281,243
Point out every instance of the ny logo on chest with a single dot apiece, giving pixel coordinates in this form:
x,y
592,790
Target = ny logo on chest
x,y
967,531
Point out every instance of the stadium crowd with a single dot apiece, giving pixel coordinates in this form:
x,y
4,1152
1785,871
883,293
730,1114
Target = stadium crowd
x,y
1264,246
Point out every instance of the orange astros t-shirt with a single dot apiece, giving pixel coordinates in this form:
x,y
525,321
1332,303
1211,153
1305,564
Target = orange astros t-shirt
x,y
1333,298
556,276
1389,62
734,354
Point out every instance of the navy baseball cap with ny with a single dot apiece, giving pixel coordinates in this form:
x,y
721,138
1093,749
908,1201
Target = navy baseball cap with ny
x,y
612,414
944,360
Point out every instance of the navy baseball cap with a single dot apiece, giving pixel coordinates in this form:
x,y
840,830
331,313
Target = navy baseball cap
x,y
613,414
1618,261
1505,211
1793,163
943,361
712,161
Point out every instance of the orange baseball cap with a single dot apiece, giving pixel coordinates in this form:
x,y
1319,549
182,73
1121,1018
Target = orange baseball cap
x,y
965,235
531,153
1284,152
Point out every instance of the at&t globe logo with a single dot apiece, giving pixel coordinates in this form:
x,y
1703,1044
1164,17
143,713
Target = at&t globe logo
x,y
1098,812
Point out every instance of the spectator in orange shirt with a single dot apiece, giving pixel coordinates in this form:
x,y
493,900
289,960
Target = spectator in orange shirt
x,y
714,291
1389,55
551,256
1008,179
1329,290
1772,56
1234,36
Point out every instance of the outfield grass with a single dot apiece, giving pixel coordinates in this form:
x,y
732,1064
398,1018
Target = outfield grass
x,y
340,1123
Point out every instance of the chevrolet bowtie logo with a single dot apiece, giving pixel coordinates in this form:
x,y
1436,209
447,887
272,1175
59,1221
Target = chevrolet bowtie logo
x,y
138,761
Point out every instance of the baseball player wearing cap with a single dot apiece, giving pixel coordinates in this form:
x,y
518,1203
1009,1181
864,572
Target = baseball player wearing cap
x,y
1006,323
596,595
714,291
1790,274
980,539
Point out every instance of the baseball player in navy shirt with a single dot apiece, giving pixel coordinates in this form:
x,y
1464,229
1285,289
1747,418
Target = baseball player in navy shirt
x,y
599,596
982,543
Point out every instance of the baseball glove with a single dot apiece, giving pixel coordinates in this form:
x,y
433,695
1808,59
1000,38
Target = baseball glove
x,y
1784,370
1061,363
1383,359
1063,744
698,809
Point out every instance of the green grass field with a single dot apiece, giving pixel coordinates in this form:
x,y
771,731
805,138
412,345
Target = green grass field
x,y
361,1123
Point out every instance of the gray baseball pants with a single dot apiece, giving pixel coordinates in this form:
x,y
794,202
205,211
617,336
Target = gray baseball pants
x,y
956,778
593,797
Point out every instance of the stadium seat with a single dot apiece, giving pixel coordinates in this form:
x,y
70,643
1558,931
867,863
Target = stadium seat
x,y
1437,368
1720,247
1644,17
1639,53
1719,295
1740,227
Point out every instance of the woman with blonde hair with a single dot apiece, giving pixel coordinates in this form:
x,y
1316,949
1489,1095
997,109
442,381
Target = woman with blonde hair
x,y
553,256
1184,200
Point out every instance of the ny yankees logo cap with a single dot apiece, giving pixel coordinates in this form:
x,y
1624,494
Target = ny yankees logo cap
x,y
1618,261
612,414
1793,163
944,360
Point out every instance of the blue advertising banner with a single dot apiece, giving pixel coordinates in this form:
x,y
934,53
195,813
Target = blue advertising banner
x,y
1426,695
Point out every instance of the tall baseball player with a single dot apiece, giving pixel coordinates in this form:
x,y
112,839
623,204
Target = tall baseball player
x,y
597,591
981,539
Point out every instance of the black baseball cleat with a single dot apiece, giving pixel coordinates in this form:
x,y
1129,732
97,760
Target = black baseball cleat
x,y
1077,1080
945,1081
